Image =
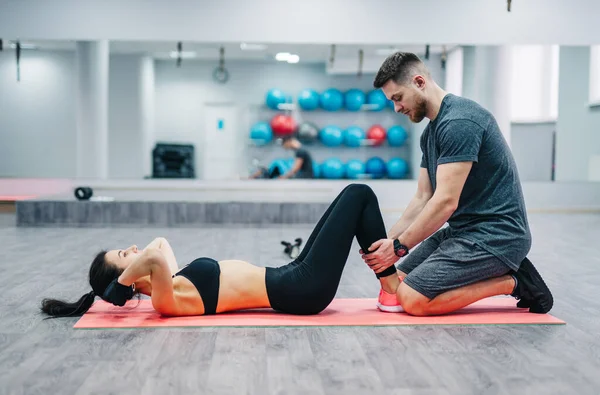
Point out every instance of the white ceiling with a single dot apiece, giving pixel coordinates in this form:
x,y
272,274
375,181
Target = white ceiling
x,y
468,22
307,52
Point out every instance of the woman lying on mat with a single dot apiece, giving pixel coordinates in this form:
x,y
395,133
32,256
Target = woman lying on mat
x,y
307,285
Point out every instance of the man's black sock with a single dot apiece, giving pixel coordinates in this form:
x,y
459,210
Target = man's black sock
x,y
516,284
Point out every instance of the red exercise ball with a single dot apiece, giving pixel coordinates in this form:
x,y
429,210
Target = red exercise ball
x,y
283,125
376,134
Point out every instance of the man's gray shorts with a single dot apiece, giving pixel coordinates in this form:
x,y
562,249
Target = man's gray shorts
x,y
442,263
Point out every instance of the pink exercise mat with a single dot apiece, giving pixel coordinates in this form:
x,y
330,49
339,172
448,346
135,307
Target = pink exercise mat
x,y
341,312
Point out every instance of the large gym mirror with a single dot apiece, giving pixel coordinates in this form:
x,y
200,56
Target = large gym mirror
x,y
223,111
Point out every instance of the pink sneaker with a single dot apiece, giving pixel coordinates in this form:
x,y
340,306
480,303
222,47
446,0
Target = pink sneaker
x,y
388,302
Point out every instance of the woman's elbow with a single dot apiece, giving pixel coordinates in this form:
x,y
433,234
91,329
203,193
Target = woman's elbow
x,y
154,256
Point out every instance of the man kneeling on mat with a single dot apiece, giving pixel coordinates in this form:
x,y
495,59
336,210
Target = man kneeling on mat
x,y
469,179
306,285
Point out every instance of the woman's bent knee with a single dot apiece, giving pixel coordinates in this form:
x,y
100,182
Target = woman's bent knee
x,y
362,190
359,187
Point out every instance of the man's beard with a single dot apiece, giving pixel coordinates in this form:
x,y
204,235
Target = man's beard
x,y
419,112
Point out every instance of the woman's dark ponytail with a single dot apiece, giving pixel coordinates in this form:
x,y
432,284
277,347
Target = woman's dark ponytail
x,y
101,274
59,308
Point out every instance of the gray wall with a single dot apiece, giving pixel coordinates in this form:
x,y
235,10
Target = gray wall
x,y
578,125
532,147
38,115
38,126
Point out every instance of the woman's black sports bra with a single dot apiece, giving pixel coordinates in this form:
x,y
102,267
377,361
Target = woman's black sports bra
x,y
205,274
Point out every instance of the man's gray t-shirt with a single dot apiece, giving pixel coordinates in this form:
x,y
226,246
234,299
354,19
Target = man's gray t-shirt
x,y
491,210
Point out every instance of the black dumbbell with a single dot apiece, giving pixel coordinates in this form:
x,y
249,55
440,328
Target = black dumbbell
x,y
83,193
292,250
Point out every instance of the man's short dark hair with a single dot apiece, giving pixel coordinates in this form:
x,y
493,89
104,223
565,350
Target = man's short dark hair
x,y
399,67
287,138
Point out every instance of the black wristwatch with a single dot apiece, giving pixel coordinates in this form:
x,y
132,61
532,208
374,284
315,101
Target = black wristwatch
x,y
399,249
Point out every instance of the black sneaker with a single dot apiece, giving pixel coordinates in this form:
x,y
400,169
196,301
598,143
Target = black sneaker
x,y
523,304
532,290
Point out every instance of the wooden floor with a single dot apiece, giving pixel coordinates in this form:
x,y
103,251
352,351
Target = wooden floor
x,y
49,357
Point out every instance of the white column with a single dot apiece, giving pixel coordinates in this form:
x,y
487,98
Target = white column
x,y
577,138
486,79
454,72
92,109
147,89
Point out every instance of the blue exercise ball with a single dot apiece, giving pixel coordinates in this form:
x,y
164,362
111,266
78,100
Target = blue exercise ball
x,y
261,133
391,104
333,169
331,136
354,136
332,99
376,98
316,169
396,136
376,167
280,164
354,99
397,168
275,97
308,99
355,169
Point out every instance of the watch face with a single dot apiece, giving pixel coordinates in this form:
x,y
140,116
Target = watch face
x,y
399,249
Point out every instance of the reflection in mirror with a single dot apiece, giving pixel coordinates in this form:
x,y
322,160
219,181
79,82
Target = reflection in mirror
x,y
221,111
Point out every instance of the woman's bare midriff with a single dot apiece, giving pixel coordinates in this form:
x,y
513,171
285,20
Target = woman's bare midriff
x,y
242,286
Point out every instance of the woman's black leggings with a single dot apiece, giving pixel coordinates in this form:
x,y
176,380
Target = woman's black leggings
x,y
308,284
